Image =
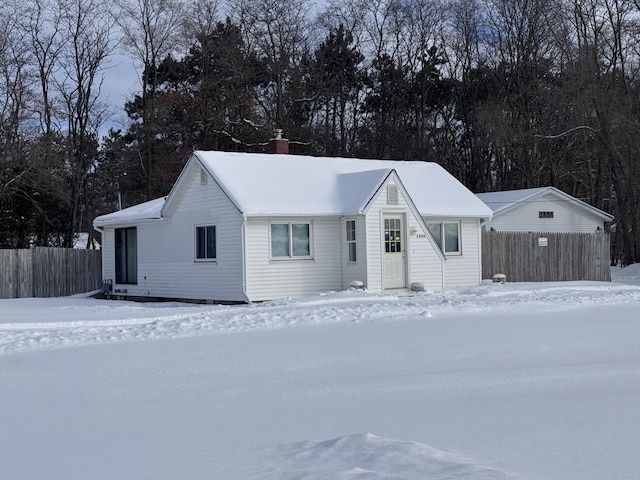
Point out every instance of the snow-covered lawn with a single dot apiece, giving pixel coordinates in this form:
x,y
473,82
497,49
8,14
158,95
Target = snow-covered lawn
x,y
515,381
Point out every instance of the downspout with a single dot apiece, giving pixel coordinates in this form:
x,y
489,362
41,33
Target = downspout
x,y
480,250
244,258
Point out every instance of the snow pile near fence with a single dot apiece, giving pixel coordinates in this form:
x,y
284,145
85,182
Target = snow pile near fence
x,y
629,274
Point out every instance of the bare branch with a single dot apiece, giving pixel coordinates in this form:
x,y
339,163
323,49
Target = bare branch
x,y
571,130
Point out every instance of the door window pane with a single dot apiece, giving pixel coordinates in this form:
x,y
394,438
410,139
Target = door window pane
x,y
392,235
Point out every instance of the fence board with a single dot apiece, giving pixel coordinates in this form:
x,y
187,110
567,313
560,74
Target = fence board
x,y
49,272
523,257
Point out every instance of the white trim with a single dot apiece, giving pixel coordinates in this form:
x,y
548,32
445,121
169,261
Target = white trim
x,y
442,244
348,242
291,257
404,246
195,243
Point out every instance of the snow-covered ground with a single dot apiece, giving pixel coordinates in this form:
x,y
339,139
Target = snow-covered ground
x,y
516,381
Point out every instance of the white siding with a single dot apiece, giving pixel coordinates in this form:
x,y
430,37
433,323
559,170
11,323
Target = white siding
x,y
268,279
567,217
423,263
166,248
354,270
466,268
108,255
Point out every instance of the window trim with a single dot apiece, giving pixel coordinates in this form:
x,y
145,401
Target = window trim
x,y
441,241
195,242
290,256
353,241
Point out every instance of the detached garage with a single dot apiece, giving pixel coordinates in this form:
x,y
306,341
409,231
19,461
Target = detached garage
x,y
544,234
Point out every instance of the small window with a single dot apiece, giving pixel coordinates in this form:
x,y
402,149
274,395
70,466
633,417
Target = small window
x,y
351,240
289,240
206,242
204,177
545,214
126,243
447,236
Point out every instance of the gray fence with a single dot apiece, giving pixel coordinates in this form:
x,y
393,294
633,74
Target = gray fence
x,y
540,257
49,272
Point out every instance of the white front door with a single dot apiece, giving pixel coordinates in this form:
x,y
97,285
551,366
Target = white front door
x,y
394,256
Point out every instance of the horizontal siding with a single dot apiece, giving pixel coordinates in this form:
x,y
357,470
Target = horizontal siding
x,y
423,262
166,248
464,270
426,266
354,270
108,254
374,248
567,217
268,279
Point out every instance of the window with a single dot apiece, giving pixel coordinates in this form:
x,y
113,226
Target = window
x,y
545,214
126,242
206,242
392,235
290,240
446,235
351,239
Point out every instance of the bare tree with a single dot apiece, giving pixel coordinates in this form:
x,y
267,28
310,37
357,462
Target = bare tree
x,y
87,26
40,20
150,31
280,33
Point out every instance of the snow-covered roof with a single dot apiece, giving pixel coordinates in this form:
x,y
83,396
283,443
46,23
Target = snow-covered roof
x,y
266,184
500,202
150,210
262,184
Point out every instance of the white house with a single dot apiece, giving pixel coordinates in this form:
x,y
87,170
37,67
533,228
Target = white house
x,y
242,227
544,209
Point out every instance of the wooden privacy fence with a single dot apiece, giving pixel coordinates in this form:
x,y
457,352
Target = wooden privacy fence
x,y
542,257
49,272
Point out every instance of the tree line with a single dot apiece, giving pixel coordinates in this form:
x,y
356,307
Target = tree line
x,y
504,94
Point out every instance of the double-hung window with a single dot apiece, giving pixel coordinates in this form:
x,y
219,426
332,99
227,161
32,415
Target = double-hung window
x,y
351,240
126,242
447,236
290,240
205,242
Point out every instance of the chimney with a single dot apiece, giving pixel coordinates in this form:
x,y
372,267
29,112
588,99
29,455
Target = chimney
x,y
278,144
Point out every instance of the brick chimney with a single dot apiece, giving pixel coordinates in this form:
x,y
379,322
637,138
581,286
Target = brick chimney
x,y
278,144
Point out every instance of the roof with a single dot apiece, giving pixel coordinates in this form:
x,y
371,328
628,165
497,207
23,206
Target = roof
x,y
271,185
502,202
150,210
